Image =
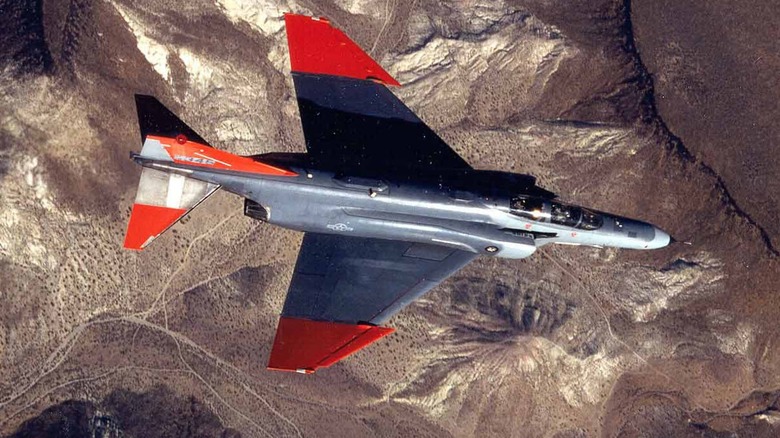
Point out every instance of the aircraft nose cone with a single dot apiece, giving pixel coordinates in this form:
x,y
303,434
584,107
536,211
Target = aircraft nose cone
x,y
660,240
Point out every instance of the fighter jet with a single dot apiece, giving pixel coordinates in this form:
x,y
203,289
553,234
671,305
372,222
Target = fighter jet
x,y
387,208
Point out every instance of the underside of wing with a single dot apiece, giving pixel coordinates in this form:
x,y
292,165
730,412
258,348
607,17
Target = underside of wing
x,y
350,119
344,288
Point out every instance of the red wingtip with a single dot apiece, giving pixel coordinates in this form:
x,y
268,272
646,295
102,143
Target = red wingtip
x,y
147,222
303,345
317,47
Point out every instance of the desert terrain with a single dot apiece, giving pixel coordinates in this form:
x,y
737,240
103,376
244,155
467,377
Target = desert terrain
x,y
664,111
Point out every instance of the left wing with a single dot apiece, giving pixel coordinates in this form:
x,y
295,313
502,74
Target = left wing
x,y
344,287
350,119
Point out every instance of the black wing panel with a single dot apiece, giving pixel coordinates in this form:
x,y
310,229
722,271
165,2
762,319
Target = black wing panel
x,y
353,123
362,280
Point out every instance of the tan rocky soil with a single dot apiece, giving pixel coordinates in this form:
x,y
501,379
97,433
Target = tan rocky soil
x,y
571,342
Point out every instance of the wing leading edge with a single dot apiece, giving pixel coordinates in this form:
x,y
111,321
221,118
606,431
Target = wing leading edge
x,y
344,288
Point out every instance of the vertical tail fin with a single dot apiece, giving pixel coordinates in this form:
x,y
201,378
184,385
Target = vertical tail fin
x,y
163,197
155,119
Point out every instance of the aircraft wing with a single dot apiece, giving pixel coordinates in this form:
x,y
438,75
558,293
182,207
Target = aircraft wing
x,y
344,287
350,119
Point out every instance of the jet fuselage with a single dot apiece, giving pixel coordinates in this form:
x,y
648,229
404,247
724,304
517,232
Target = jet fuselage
x,y
455,212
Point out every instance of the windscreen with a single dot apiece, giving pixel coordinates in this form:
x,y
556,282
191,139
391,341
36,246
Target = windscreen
x,y
555,212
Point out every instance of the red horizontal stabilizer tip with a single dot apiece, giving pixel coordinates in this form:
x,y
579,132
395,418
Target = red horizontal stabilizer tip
x,y
304,345
318,48
148,222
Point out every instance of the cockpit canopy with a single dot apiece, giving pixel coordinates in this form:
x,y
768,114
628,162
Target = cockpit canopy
x,y
555,212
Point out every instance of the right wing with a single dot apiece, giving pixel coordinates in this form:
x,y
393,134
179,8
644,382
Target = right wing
x,y
350,119
344,287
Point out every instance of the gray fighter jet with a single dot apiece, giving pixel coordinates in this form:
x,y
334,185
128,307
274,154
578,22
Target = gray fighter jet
x,y
388,209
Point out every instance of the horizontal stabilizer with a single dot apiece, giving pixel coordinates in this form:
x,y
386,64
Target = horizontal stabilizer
x,y
318,48
162,199
304,345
